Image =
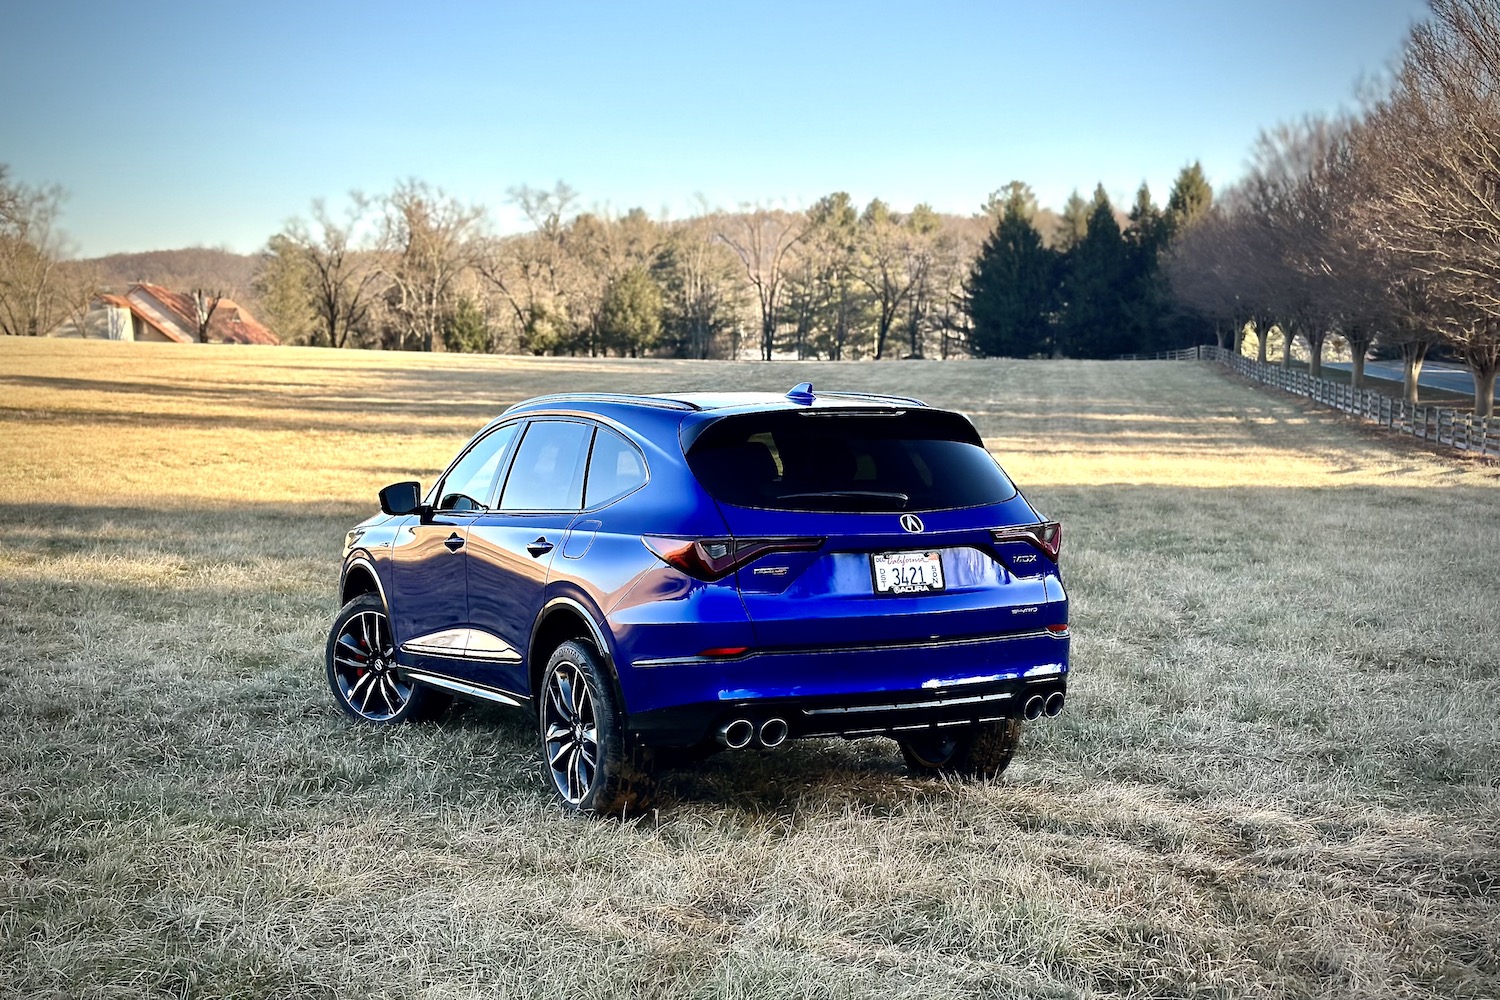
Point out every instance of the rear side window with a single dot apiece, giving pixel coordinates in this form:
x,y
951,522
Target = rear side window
x,y
615,468
824,460
548,471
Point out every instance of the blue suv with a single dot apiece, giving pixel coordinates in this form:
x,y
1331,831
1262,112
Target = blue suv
x,y
660,576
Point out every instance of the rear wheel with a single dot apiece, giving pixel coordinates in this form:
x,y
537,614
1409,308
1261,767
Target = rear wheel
x,y
584,753
981,750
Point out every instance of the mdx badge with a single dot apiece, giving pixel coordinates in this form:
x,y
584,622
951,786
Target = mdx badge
x,y
911,522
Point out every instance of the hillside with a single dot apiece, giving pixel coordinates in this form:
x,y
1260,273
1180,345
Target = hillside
x,y
190,267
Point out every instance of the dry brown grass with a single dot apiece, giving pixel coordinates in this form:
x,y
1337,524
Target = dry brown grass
x,y
1277,775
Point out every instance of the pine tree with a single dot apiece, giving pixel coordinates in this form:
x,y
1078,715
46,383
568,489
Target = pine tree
x,y
1190,199
1094,321
1011,291
1075,222
1143,297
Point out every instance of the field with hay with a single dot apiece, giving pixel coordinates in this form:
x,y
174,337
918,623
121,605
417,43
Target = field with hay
x,y
1278,774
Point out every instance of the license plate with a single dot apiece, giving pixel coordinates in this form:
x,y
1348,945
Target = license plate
x,y
906,572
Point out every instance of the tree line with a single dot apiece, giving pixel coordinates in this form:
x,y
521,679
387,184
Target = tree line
x,y
418,269
1380,228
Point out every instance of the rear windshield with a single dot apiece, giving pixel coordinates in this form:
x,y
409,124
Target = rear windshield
x,y
822,460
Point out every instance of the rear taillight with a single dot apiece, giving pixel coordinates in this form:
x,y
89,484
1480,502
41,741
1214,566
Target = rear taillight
x,y
1047,536
715,558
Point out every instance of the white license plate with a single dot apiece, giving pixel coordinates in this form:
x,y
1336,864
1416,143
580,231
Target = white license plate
x,y
906,572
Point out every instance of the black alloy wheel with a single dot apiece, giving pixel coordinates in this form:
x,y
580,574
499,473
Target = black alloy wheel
x,y
366,681
583,746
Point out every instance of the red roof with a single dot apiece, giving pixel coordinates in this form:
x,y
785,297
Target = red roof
x,y
230,323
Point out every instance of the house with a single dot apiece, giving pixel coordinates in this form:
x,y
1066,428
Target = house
x,y
151,312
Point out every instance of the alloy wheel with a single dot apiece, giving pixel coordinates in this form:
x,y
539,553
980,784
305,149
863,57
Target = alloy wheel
x,y
571,732
365,670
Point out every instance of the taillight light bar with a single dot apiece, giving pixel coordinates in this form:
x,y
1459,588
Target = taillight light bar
x,y
712,559
1045,537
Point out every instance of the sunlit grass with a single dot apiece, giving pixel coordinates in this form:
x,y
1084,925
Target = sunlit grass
x,y
1277,775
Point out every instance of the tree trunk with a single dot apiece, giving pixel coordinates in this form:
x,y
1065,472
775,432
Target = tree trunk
x,y
1359,346
1219,336
1412,356
1484,391
1287,337
1261,331
1315,354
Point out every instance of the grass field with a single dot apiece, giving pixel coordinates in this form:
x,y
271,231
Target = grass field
x,y
1278,776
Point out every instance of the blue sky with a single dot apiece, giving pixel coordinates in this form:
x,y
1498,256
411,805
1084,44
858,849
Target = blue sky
x,y
180,124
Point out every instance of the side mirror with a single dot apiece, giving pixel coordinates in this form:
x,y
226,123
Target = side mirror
x,y
401,498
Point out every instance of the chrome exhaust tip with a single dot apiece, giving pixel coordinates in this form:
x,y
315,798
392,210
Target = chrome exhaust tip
x,y
1033,709
1054,705
737,735
773,733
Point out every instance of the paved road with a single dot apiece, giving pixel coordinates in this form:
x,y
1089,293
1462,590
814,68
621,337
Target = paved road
x,y
1435,375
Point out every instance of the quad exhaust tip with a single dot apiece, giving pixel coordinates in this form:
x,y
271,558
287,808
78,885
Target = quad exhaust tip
x,y
1054,705
1033,709
737,735
773,733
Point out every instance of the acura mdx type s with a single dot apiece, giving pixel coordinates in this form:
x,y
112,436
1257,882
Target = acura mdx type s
x,y
659,576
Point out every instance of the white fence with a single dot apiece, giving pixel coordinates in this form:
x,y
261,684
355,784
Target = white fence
x,y
1186,354
1438,425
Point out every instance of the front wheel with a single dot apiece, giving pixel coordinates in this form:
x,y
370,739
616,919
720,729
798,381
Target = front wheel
x,y
584,753
366,681
981,750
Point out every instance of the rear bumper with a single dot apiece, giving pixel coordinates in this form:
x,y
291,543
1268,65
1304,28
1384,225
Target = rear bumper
x,y
851,691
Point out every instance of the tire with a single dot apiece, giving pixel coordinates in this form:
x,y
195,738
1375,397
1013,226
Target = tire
x,y
366,681
585,758
981,750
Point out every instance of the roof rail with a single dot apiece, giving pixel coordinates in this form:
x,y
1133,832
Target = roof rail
x,y
661,402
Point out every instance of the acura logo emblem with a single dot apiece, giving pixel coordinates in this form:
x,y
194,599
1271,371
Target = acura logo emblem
x,y
911,522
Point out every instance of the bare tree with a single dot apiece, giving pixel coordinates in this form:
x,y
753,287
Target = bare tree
x,y
1202,269
885,247
430,241
34,293
340,267
1436,142
762,239
1411,331
702,293
205,304
529,271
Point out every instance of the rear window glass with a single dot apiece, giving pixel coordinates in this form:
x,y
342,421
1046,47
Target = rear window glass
x,y
817,460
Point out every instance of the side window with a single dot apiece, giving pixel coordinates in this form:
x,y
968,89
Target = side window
x,y
470,484
615,468
548,471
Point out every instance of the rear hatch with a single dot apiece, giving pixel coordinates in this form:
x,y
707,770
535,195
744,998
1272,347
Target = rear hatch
x,y
906,503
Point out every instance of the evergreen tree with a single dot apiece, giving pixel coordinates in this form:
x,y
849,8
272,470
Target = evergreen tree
x,y
1143,295
466,329
630,316
1075,222
1190,200
1011,290
1094,322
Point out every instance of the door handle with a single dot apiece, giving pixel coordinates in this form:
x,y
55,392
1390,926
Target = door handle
x,y
540,547
454,542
